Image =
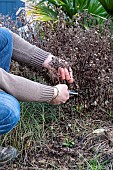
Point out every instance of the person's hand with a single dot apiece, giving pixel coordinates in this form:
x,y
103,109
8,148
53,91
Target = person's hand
x,y
66,74
61,94
63,72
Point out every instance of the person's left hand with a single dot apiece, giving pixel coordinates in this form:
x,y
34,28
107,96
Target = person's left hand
x,y
64,73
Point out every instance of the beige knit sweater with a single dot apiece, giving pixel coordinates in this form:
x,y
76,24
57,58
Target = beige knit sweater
x,y
22,88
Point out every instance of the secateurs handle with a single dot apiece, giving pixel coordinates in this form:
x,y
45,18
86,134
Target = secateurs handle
x,y
71,92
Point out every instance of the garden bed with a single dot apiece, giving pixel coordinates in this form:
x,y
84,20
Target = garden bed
x,y
78,134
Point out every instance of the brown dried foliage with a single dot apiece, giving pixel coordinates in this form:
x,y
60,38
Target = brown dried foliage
x,y
90,53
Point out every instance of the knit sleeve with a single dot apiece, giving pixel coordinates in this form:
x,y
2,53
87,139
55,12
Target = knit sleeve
x,y
24,89
25,52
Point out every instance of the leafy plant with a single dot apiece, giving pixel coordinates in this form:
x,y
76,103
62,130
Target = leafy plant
x,y
95,165
68,143
108,5
96,9
42,13
45,9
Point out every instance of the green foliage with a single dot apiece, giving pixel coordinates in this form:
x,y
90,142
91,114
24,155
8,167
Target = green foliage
x,y
45,9
42,13
96,9
68,142
95,165
67,6
108,5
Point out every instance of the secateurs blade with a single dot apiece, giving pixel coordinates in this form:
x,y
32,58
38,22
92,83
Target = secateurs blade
x,y
72,92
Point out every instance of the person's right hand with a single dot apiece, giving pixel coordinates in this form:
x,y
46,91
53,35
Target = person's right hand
x,y
61,94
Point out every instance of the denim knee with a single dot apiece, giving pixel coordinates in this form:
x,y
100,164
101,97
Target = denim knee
x,y
9,112
6,48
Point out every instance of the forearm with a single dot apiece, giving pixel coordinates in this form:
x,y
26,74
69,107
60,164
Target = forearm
x,y
25,52
24,89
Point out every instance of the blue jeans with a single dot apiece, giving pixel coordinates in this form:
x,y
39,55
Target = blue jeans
x,y
9,106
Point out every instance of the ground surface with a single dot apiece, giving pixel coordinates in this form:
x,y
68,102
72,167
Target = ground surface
x,y
60,137
67,137
50,137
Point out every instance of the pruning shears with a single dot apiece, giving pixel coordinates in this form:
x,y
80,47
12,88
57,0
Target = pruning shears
x,y
72,92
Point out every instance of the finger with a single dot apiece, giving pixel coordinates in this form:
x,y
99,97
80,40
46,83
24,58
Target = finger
x,y
71,75
67,76
61,73
71,80
70,72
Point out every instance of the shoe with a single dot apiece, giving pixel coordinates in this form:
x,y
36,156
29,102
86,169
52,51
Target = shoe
x,y
7,154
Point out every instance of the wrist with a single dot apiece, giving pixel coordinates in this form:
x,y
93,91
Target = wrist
x,y
56,93
47,61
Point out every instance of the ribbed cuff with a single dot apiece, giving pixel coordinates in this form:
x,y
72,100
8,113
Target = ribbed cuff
x,y
47,93
38,57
